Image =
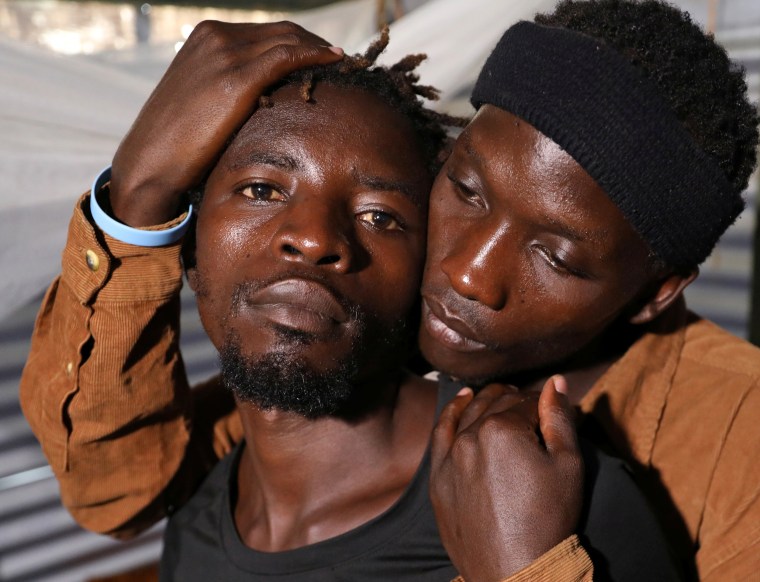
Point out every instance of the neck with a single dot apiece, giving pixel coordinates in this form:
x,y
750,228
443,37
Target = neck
x,y
301,481
584,368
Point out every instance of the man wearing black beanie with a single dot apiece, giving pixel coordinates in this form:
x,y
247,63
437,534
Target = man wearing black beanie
x,y
611,146
612,143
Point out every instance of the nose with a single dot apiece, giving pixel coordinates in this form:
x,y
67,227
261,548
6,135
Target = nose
x,y
477,267
317,233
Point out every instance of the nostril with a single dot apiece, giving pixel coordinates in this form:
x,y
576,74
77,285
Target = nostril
x,y
290,249
328,260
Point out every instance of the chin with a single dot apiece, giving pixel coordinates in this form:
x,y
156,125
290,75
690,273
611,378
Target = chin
x,y
288,383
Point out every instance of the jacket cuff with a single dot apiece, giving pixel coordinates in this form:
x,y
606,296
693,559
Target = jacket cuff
x,y
90,258
565,562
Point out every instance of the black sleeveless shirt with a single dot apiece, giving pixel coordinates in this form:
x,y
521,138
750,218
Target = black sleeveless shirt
x,y
402,544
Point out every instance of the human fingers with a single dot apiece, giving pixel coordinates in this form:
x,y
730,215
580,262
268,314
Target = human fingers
x,y
483,400
207,93
287,27
284,57
235,45
445,430
556,417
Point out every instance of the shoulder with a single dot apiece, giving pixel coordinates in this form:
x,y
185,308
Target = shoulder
x,y
716,383
708,347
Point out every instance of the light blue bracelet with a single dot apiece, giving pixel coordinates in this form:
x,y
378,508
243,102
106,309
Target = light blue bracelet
x,y
127,234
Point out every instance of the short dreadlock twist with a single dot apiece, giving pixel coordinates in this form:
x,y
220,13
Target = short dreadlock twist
x,y
397,85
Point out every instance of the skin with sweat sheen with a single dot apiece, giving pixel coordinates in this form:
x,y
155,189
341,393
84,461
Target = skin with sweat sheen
x,y
528,259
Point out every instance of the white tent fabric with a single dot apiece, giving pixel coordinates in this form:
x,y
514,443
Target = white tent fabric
x,y
61,118
457,37
60,121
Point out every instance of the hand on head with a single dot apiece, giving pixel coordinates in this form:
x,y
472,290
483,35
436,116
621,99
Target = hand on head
x,y
207,93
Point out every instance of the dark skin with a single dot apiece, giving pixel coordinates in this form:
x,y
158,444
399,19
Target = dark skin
x,y
533,270
535,261
329,196
489,443
216,78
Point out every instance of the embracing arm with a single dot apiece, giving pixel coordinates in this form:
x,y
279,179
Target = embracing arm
x,y
507,485
104,388
729,534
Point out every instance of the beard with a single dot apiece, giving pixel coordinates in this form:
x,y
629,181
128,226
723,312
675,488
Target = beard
x,y
284,380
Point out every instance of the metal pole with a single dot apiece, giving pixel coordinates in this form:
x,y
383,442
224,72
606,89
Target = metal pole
x,y
712,15
754,313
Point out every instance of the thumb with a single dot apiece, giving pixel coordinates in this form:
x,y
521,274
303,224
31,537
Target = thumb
x,y
556,416
445,430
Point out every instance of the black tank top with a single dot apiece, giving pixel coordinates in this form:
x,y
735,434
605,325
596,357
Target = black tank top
x,y
402,544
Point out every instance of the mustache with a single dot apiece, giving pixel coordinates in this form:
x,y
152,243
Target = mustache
x,y
244,290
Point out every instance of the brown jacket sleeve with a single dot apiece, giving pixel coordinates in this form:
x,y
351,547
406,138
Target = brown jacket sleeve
x,y
565,562
729,533
105,390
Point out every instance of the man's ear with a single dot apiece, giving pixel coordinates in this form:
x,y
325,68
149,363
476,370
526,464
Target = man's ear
x,y
192,278
665,292
188,259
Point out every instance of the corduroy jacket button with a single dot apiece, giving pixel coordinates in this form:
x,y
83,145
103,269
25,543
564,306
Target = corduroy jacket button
x,y
93,262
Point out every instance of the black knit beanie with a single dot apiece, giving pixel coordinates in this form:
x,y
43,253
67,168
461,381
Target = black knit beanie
x,y
589,99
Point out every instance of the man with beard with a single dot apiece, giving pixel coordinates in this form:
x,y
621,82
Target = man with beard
x,y
609,153
307,262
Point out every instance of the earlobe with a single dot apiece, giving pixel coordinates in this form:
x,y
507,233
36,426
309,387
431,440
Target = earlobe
x,y
192,278
666,292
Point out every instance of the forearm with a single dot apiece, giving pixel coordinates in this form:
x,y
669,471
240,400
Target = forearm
x,y
104,388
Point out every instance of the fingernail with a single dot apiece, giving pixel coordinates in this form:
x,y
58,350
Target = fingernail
x,y
464,391
336,49
560,384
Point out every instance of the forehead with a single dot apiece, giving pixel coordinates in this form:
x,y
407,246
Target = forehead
x,y
336,124
525,169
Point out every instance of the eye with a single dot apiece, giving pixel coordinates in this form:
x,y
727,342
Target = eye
x,y
262,192
557,263
465,192
379,220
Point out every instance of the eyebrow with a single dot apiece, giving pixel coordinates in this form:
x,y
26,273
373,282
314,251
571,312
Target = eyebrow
x,y
383,184
470,149
567,231
289,163
281,161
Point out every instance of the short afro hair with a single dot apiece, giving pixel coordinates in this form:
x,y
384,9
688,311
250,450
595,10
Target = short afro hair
x,y
693,74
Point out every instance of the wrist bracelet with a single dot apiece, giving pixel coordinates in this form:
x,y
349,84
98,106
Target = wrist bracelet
x,y
127,234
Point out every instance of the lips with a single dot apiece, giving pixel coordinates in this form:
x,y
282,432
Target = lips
x,y
448,329
299,304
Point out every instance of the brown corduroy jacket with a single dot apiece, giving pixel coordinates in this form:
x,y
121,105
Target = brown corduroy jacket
x,y
105,392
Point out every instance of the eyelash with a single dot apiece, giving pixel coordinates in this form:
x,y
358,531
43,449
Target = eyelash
x,y
464,192
253,185
399,223
558,264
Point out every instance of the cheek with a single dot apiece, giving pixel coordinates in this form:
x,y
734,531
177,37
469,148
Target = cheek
x,y
445,230
400,279
572,312
438,213
224,252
